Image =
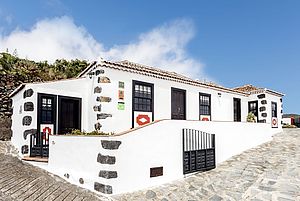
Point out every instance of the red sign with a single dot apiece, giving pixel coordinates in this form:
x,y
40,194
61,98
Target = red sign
x,y
142,119
46,130
204,119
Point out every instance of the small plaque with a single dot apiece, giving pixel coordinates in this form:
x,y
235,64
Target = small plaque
x,y
121,95
121,85
156,171
121,106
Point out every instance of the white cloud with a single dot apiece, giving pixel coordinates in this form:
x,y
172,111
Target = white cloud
x,y
50,39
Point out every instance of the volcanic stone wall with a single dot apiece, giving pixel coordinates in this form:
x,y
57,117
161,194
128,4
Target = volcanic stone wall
x,y
8,83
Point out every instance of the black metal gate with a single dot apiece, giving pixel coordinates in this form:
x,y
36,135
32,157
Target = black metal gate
x,y
39,144
198,151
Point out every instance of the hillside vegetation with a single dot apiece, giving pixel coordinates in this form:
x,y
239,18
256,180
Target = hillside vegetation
x,y
14,71
27,70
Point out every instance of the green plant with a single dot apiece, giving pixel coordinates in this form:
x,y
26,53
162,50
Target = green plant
x,y
288,126
251,117
78,132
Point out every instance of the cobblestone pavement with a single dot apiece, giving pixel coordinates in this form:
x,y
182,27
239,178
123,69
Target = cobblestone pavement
x,y
270,171
22,181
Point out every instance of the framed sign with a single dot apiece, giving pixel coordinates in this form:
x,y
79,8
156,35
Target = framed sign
x,y
121,106
142,118
121,95
204,117
274,122
121,85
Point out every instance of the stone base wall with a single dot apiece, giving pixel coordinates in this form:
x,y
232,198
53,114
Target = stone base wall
x,y
5,128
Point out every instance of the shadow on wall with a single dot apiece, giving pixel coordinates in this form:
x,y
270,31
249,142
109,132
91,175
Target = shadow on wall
x,y
5,128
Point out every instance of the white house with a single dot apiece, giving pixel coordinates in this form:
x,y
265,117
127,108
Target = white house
x,y
160,122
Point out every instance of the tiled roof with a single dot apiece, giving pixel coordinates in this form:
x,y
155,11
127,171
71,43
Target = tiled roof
x,y
132,67
250,89
246,88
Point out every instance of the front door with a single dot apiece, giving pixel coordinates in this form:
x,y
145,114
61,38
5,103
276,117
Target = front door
x,y
46,113
178,104
237,109
69,114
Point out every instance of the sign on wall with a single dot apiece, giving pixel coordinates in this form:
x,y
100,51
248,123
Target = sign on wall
x,y
142,118
204,117
121,85
47,128
274,122
121,106
121,95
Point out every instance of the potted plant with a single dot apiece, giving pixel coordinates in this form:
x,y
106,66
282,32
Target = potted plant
x,y
251,117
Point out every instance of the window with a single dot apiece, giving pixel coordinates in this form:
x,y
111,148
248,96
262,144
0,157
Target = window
x,y
274,109
253,107
46,110
237,109
142,97
204,104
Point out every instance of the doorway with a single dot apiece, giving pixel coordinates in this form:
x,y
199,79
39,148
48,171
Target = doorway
x,y
69,114
178,104
237,109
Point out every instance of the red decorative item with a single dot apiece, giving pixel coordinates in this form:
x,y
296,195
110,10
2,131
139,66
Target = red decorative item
x,y
204,119
274,122
142,119
46,130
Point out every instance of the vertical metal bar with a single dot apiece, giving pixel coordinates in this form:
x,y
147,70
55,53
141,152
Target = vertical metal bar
x,y
192,139
209,136
201,140
183,145
198,141
190,143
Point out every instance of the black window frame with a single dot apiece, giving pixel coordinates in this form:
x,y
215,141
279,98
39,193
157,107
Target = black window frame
x,y
201,105
144,100
237,112
274,113
256,102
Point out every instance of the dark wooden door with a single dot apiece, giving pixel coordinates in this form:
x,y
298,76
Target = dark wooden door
x,y
237,109
46,110
178,103
69,117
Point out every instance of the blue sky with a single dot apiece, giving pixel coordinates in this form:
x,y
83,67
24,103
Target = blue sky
x,y
231,42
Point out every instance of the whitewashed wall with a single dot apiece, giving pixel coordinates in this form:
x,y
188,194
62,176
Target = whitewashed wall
x,y
73,88
287,121
222,106
155,145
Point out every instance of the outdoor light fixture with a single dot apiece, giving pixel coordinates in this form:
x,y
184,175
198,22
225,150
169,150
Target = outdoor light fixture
x,y
91,74
219,94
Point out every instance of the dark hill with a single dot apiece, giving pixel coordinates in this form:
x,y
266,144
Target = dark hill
x,y
14,71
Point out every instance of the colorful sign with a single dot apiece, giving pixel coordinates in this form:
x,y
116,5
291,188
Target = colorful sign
x,y
274,122
121,106
142,118
121,85
121,95
204,117
47,128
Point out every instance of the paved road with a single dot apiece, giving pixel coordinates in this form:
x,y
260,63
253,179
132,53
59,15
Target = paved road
x,y
268,172
21,181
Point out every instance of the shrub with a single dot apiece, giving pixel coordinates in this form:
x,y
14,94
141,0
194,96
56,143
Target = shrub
x,y
251,117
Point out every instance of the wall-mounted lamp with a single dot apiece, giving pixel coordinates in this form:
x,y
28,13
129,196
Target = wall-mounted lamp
x,y
219,94
90,74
